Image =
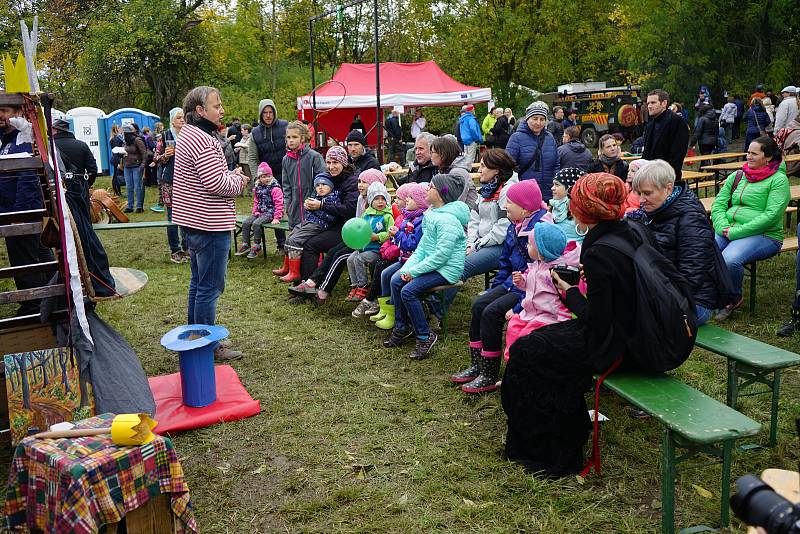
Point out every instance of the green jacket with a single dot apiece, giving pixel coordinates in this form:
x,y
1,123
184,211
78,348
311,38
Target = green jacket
x,y
443,246
380,222
488,123
757,208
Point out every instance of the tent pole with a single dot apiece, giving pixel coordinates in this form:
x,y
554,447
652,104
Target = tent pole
x,y
313,78
378,114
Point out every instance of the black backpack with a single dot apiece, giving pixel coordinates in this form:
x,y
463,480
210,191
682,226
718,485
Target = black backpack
x,y
666,326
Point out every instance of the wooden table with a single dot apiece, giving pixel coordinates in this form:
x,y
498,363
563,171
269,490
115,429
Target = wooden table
x,y
712,157
631,157
794,193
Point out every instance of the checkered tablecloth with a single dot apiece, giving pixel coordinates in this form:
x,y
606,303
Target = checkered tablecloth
x,y
76,485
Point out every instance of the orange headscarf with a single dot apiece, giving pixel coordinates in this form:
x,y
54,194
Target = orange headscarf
x,y
598,197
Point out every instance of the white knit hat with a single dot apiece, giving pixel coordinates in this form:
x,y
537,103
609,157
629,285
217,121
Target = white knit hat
x,y
536,108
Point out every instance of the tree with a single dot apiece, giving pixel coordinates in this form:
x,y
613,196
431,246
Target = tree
x,y
22,368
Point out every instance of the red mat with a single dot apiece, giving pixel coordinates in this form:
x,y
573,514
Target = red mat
x,y
233,402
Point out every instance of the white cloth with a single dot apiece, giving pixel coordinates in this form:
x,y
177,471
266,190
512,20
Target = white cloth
x,y
25,129
418,126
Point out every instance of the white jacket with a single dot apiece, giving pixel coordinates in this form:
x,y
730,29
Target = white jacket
x,y
728,113
787,111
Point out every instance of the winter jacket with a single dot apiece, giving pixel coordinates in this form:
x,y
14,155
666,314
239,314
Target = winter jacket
x,y
470,129
536,157
557,129
787,111
542,302
791,145
667,137
365,161
19,191
728,114
135,154
343,205
409,234
686,238
267,143
488,123
488,222
419,173
757,207
618,169
443,246
322,217
757,120
393,130
299,169
500,131
380,222
574,154
707,131
515,252
469,195
77,156
268,200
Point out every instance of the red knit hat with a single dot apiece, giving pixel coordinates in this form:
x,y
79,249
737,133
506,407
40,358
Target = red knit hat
x,y
598,197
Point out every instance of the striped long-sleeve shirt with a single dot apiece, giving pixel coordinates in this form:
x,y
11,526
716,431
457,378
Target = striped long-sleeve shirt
x,y
203,187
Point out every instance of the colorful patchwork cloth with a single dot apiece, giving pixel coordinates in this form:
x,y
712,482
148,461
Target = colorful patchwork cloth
x,y
76,485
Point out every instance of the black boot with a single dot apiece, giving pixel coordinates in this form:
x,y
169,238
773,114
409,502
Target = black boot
x,y
487,379
469,374
791,326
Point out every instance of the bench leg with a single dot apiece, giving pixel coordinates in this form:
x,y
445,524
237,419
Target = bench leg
x,y
725,490
773,417
733,384
753,287
445,313
667,483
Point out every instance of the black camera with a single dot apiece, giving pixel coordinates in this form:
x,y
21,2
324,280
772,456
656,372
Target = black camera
x,y
567,273
757,504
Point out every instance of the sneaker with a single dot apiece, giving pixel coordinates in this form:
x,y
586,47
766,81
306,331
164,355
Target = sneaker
x,y
185,255
363,306
244,248
225,354
352,296
423,348
726,312
139,210
127,210
176,257
373,309
791,326
302,289
255,250
397,338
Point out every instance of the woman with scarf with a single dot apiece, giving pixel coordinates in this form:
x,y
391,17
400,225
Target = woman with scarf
x,y
165,159
747,214
608,159
550,369
685,237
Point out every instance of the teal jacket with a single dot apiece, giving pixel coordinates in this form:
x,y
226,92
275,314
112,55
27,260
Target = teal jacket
x,y
443,246
757,208
380,222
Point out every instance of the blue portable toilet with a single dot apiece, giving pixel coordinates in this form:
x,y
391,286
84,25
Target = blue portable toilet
x,y
85,124
121,117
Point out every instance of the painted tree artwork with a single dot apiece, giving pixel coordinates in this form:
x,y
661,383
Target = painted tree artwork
x,y
44,387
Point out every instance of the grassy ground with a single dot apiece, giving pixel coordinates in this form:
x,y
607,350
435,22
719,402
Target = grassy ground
x,y
356,438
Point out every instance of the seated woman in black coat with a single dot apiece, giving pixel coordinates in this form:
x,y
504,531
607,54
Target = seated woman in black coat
x,y
684,235
608,158
550,370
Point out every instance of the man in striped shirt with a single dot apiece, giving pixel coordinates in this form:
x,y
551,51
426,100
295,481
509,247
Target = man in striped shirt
x,y
203,202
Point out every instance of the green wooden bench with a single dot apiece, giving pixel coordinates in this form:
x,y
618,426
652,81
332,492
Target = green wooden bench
x,y
693,422
750,363
283,225
133,225
789,245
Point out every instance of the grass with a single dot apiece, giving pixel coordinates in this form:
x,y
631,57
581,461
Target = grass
x,y
356,438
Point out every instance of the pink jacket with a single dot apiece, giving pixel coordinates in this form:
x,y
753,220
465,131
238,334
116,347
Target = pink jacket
x,y
277,202
541,302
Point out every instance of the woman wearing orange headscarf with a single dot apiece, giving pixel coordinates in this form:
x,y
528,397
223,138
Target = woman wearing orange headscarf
x,y
550,370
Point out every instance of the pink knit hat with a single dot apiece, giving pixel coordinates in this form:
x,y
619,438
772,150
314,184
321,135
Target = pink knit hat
x,y
404,191
526,194
338,154
419,195
371,176
264,168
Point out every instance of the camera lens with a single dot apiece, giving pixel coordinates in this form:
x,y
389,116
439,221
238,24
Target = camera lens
x,y
756,503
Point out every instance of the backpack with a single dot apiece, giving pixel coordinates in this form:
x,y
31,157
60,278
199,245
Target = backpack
x,y
666,326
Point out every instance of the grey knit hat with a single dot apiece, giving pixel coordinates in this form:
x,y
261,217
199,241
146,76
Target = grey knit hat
x,y
377,189
536,108
449,186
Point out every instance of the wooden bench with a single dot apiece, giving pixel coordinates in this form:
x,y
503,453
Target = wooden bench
x,y
133,225
750,362
440,291
789,245
693,422
283,225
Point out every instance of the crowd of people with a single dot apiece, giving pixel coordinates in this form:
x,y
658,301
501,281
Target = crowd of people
x,y
555,238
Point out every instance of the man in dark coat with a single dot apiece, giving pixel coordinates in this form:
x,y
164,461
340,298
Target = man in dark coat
x,y
421,169
394,134
77,157
573,153
666,135
556,126
361,157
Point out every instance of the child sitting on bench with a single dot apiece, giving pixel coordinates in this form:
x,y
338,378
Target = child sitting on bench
x,y
267,208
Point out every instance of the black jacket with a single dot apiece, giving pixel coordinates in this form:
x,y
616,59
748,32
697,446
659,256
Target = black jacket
x,y
392,126
619,168
667,137
557,129
500,131
686,238
574,154
344,208
608,313
77,157
365,161
419,173
707,131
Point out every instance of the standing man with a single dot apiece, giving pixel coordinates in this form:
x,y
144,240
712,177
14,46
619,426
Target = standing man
x,y
787,110
666,135
419,124
395,137
470,133
361,157
555,126
727,117
737,122
203,201
78,158
571,120
268,143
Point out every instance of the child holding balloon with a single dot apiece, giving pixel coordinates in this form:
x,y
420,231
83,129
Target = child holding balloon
x,y
378,216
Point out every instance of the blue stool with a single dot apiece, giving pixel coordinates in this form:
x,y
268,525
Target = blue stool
x,y
195,344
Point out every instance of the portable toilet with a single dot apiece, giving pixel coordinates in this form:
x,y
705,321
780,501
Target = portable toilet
x,y
124,116
85,124
58,114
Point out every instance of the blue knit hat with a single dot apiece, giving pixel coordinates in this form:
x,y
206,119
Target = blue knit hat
x,y
550,240
322,179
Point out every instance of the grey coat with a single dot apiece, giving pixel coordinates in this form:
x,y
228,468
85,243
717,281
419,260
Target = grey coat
x,y
299,186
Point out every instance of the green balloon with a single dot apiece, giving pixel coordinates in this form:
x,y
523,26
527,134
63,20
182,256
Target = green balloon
x,y
356,233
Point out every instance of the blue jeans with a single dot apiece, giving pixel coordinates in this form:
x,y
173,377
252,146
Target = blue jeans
x,y
175,245
479,262
796,303
134,182
407,304
386,278
209,261
739,252
702,314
